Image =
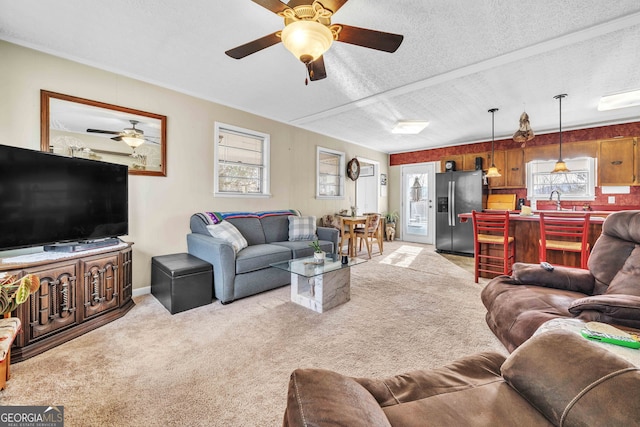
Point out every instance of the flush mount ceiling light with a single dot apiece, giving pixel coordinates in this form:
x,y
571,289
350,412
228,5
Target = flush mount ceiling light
x,y
619,100
308,33
493,170
560,166
409,127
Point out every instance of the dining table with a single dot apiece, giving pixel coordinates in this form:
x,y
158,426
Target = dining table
x,y
352,222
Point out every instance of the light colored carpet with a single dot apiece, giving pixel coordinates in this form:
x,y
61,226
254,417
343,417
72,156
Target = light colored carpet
x,y
229,365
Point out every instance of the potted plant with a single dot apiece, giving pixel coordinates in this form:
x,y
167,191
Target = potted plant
x,y
318,253
14,292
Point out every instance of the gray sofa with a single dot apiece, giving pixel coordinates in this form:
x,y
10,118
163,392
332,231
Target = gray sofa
x,y
248,272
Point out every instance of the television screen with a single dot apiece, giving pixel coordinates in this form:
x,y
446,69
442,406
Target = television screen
x,y
46,199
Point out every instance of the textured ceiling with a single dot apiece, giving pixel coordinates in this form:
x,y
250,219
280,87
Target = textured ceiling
x,y
458,59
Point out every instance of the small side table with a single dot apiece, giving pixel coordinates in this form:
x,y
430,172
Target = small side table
x,y
576,325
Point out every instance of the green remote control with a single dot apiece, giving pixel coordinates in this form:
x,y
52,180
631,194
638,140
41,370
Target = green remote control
x,y
611,339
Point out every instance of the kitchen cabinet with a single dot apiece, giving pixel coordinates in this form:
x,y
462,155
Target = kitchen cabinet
x,y
515,169
619,162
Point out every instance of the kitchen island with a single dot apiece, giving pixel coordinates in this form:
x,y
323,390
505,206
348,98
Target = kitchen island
x,y
526,230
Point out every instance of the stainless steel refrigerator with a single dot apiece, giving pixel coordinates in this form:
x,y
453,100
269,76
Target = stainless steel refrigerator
x,y
456,193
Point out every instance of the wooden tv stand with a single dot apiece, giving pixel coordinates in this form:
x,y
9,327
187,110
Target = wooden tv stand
x,y
78,292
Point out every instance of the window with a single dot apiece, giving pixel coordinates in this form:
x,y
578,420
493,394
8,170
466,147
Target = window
x,y
331,170
241,162
578,184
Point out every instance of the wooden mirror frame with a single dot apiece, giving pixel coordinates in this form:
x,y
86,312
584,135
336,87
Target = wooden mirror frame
x,y
122,112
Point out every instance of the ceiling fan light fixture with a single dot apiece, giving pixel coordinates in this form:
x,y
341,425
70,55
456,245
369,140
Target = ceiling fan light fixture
x,y
133,141
307,40
409,127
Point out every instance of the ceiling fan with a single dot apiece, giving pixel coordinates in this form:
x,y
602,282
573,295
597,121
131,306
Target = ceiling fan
x,y
132,136
308,33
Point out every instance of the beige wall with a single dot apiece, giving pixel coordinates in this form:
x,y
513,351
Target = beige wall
x,y
160,207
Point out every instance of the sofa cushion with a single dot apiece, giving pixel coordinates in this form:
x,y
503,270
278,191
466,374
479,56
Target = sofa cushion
x,y
251,229
257,257
276,228
556,372
226,231
627,281
302,228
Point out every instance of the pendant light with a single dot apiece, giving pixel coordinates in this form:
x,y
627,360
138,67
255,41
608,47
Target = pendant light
x,y
493,170
560,166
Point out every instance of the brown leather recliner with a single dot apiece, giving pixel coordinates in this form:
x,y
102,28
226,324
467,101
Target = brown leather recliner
x,y
608,292
557,378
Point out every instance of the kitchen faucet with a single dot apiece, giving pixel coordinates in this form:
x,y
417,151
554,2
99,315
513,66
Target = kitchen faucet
x,y
558,208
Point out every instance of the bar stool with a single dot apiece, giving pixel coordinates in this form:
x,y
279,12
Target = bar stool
x,y
566,232
492,229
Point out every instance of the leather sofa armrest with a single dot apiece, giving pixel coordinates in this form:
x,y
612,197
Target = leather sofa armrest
x,y
616,308
565,278
572,381
318,397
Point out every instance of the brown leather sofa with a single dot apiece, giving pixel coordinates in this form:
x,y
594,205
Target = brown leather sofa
x,y
608,292
557,378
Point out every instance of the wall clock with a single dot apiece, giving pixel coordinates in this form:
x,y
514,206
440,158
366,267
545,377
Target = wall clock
x,y
353,169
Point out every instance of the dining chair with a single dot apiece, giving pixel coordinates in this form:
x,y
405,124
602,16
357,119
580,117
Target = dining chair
x,y
370,233
494,249
565,232
345,237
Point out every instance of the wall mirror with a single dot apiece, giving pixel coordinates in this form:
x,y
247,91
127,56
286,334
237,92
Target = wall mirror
x,y
78,127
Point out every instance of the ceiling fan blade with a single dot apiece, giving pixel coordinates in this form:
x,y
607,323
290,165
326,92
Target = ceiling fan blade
x,y
117,138
316,69
110,132
372,39
275,6
253,46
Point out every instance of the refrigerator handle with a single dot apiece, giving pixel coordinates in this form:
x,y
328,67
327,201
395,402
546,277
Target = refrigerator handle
x,y
449,204
453,204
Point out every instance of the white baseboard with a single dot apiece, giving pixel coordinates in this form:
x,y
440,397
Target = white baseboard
x,y
141,291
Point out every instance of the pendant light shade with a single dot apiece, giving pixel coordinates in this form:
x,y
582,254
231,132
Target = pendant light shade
x,y
560,166
493,170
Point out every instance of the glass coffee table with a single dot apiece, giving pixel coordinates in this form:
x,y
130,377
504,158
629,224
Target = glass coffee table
x,y
319,287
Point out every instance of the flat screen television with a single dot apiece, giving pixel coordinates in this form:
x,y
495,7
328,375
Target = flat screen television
x,y
47,199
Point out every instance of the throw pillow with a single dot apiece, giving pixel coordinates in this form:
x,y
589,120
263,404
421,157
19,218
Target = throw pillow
x,y
302,228
627,280
226,231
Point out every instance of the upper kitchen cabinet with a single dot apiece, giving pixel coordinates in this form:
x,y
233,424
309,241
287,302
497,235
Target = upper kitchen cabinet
x,y
619,162
515,170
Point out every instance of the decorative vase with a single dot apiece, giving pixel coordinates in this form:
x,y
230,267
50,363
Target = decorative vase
x,y
319,257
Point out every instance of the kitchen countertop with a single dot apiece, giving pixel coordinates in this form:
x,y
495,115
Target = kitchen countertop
x,y
597,217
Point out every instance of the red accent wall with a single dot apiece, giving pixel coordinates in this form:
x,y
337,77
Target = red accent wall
x,y
623,201
603,132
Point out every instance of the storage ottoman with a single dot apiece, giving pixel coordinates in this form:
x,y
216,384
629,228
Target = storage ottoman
x,y
181,281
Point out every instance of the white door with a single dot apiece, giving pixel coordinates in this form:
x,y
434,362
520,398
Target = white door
x,y
418,194
367,187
